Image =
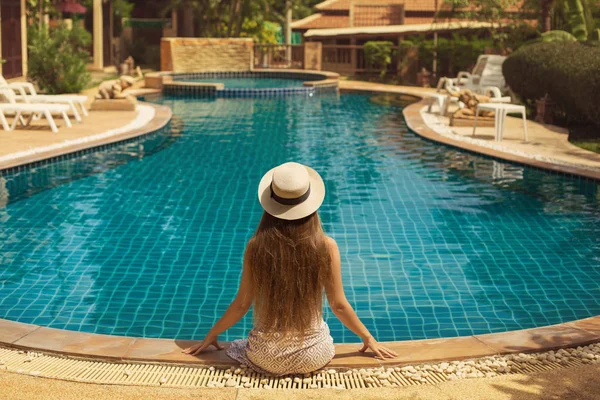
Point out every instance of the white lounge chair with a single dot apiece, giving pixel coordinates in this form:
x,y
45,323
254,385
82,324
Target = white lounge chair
x,y
487,72
26,92
445,99
10,107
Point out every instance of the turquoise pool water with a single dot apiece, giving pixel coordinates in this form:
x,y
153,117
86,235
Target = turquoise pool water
x,y
146,238
249,83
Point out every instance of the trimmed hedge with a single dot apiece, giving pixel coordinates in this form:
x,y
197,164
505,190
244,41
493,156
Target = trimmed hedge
x,y
569,72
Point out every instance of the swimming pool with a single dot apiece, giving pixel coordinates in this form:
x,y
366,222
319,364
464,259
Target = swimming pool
x,y
249,83
146,239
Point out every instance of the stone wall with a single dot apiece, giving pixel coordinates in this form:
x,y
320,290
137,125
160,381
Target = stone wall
x,y
206,55
313,55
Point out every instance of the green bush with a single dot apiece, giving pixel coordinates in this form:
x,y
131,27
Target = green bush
x,y
379,54
58,58
145,54
455,54
567,71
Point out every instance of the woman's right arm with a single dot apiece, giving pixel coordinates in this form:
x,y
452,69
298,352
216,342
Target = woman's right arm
x,y
344,311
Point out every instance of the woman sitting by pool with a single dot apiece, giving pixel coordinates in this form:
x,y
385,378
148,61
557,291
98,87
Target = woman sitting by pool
x,y
288,264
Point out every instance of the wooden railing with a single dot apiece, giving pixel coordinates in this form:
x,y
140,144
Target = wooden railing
x,y
343,59
350,59
279,56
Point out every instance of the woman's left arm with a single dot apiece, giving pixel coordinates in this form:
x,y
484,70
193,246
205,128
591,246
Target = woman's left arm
x,y
236,310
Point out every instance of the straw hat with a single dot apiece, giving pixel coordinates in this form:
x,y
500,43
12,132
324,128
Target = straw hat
x,y
291,191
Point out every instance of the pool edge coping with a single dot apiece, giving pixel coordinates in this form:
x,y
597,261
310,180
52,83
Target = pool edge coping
x,y
162,116
113,348
167,79
414,121
131,349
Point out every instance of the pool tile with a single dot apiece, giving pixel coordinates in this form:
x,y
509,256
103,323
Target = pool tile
x,y
435,242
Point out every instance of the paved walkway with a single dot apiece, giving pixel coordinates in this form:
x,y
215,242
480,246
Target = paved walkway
x,y
37,141
547,143
579,383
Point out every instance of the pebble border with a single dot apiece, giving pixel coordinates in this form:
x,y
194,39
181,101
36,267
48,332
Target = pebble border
x,y
100,372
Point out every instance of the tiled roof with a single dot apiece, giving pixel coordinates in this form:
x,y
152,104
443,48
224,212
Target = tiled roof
x,y
397,29
409,5
370,13
322,21
341,21
376,15
331,5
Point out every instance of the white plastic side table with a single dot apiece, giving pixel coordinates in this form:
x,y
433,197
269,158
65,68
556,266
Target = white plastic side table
x,y
443,101
501,110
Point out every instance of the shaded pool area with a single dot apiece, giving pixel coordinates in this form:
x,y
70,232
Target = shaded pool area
x,y
146,239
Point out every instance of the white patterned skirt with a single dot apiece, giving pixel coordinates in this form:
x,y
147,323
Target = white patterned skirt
x,y
276,354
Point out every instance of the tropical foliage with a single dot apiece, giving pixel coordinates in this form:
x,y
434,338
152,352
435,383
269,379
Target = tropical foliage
x,y
58,58
240,18
576,17
566,19
379,55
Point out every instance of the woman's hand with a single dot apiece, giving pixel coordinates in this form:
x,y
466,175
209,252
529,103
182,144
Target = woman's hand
x,y
208,341
380,351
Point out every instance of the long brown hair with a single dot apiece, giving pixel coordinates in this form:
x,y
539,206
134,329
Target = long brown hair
x,y
290,265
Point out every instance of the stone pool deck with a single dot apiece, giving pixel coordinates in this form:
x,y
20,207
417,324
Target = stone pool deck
x,y
577,383
547,148
37,142
120,348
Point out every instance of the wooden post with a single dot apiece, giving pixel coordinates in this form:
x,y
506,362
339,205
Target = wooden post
x,y
23,38
399,55
0,40
288,31
188,22
98,36
434,66
174,23
353,58
41,18
111,30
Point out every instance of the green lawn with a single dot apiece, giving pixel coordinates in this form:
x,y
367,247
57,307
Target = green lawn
x,y
591,145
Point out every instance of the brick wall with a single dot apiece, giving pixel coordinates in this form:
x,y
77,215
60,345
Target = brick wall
x,y
206,55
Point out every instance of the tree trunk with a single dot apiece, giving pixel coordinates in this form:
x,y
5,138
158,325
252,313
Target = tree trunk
x,y
546,15
232,16
241,13
41,21
288,30
239,20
